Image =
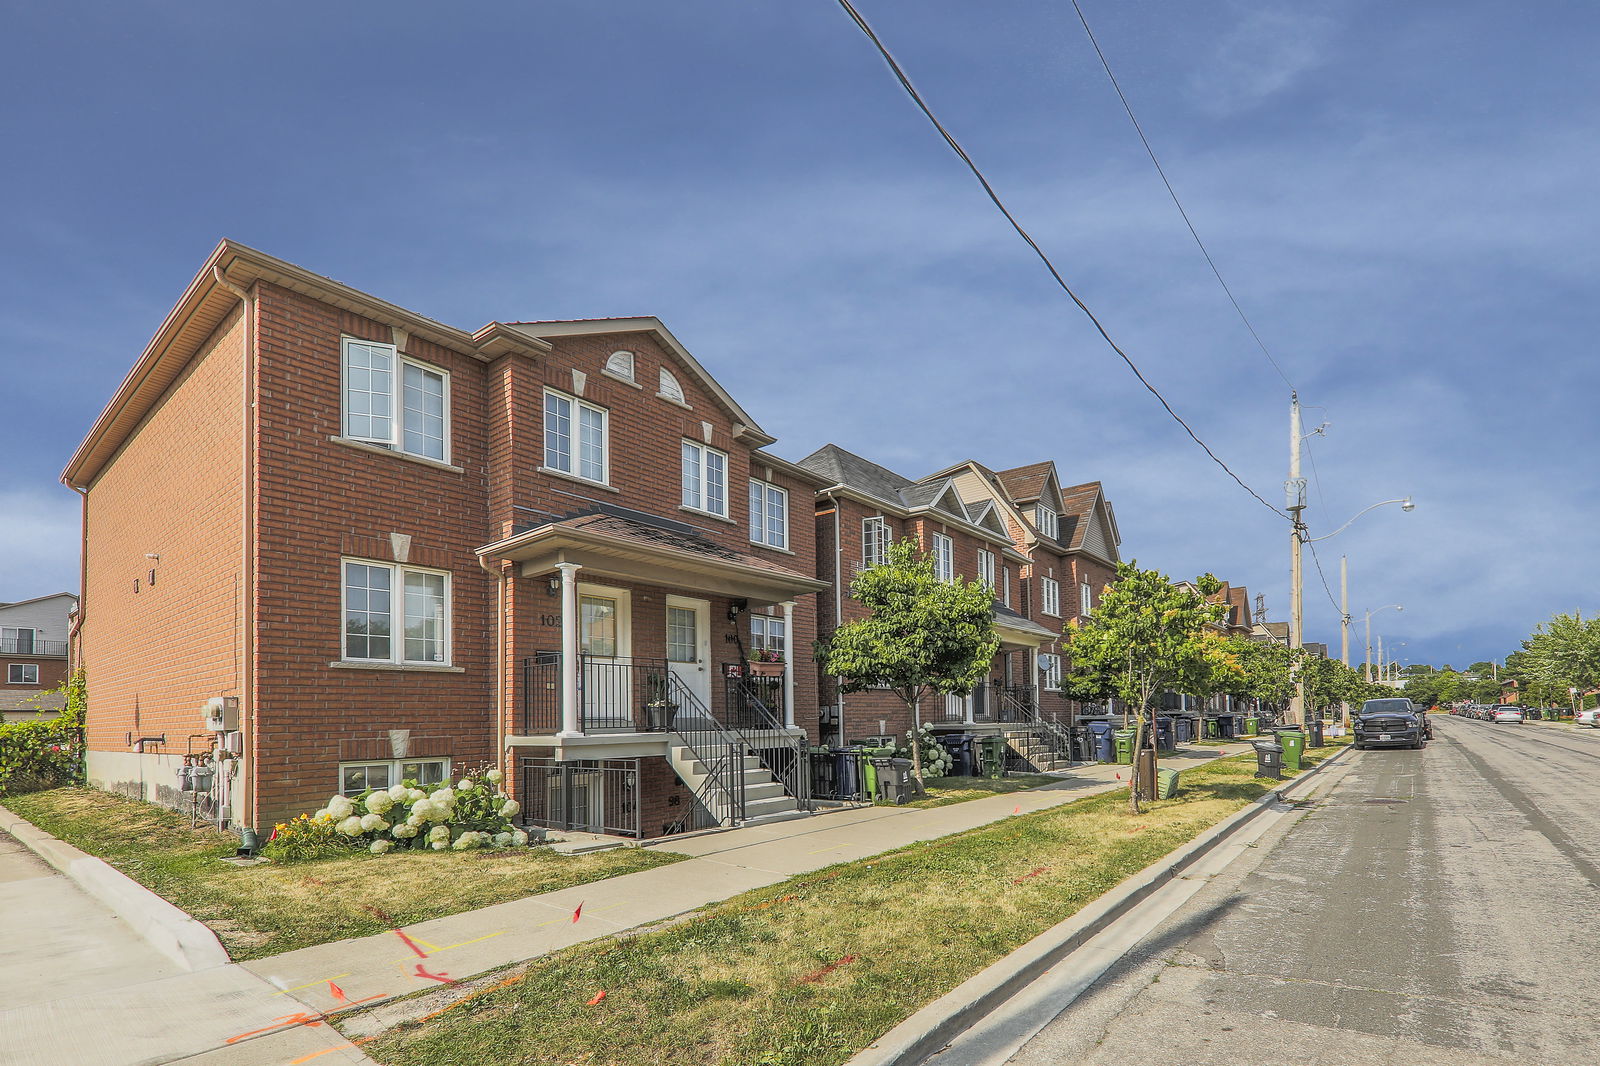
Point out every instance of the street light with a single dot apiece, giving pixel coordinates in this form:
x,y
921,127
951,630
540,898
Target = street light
x,y
1366,667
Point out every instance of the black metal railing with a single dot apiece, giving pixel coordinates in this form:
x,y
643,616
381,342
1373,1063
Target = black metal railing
x,y
720,797
748,699
839,775
1018,704
616,694
587,796
753,706
30,646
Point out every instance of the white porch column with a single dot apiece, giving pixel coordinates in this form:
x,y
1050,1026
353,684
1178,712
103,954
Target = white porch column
x,y
571,720
788,663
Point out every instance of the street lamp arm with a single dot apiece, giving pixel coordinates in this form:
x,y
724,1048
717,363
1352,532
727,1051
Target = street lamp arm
x,y
1404,502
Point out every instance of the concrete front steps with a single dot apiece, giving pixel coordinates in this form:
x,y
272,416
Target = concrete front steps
x,y
764,797
1028,747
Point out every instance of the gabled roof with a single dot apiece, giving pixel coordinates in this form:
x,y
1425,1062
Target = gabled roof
x,y
744,428
1026,483
73,596
1078,505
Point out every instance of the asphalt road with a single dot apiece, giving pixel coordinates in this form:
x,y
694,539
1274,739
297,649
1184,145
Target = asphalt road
x,y
1432,907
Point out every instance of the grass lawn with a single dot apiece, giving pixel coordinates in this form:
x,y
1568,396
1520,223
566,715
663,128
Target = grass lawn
x,y
808,972
943,791
269,908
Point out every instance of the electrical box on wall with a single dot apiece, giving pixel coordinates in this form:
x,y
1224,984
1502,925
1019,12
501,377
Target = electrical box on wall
x,y
222,714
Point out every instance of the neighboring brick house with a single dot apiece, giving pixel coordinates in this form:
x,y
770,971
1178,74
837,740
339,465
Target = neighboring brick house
x,y
862,509
1070,542
33,653
334,544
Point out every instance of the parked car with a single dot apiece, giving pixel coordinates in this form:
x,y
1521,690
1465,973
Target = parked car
x,y
1506,712
1589,718
1387,723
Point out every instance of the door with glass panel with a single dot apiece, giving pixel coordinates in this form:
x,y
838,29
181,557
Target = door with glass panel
x,y
606,686
689,646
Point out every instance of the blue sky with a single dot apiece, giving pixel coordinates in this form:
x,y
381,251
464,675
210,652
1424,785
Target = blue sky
x,y
1402,197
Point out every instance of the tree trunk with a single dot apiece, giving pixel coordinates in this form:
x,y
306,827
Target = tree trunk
x,y
1133,768
916,737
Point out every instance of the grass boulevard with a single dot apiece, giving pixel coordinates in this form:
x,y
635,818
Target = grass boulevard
x,y
810,971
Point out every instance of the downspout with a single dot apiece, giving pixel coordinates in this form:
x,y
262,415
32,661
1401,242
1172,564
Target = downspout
x,y
838,600
249,786
74,651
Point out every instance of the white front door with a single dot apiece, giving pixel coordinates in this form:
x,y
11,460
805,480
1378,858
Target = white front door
x,y
606,681
689,646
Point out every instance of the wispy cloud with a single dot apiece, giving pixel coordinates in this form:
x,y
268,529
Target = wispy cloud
x,y
1266,52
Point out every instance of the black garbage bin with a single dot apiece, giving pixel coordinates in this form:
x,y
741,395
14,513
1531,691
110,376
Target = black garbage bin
x,y
1314,732
847,774
959,745
1269,759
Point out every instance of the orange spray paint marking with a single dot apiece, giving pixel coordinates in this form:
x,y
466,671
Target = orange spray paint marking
x,y
443,978
337,993
1035,872
357,1042
598,996
1017,809
287,1021
817,975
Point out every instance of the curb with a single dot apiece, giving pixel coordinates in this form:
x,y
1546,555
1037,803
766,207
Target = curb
x,y
931,1028
174,933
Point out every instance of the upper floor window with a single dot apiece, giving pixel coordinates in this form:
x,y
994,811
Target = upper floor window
x,y
766,633
1005,585
1085,598
670,389
874,542
944,557
620,365
986,567
583,448
705,479
769,515
17,641
1045,520
395,614
22,674
395,402
1050,671
1050,596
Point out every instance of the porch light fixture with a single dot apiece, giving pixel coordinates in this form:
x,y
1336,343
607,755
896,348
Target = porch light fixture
x,y
555,586
736,608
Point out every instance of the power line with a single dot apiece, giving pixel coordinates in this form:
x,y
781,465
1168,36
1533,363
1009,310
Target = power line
x,y
1151,152
994,197
1324,578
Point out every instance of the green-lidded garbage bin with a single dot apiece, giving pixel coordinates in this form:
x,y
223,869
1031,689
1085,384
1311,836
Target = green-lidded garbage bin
x,y
992,749
1252,726
1166,783
869,773
1213,731
1294,747
1124,739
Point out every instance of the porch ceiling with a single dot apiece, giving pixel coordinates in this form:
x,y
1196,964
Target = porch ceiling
x,y
611,545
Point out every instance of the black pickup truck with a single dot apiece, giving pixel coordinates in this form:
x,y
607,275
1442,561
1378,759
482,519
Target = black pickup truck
x,y
1389,723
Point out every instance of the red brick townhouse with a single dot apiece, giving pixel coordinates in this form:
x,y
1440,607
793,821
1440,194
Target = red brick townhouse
x,y
1069,540
865,507
331,544
33,653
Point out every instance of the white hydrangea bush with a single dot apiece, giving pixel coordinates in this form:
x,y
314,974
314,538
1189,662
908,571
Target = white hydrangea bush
x,y
472,814
936,761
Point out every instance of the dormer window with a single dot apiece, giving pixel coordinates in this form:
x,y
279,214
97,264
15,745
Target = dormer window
x,y
620,365
670,389
1044,520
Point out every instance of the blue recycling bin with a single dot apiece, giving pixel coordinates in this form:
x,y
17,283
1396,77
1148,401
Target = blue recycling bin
x,y
1225,726
1183,729
959,745
1164,735
1100,742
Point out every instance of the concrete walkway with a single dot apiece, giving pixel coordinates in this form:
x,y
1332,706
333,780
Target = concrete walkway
x,y
721,865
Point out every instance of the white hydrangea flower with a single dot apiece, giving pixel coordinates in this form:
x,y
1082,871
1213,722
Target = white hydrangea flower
x,y
405,830
415,795
465,785
400,793
415,819
423,809
340,807
373,823
509,809
443,795
438,833
380,846
502,839
519,838
440,845
494,776
350,827
379,802
321,816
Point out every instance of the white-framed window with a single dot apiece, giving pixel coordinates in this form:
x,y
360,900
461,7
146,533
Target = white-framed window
x,y
22,673
705,479
1005,585
766,633
874,542
1049,671
1050,596
398,614
986,567
393,401
18,640
576,437
944,557
1085,598
769,515
620,365
357,777
1045,520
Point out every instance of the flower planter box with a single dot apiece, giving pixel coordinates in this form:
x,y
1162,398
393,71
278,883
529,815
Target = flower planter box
x,y
765,669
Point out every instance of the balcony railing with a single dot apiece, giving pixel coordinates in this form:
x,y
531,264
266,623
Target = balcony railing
x,y
618,695
30,646
992,701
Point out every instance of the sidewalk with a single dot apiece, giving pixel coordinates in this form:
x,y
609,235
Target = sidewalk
x,y
720,865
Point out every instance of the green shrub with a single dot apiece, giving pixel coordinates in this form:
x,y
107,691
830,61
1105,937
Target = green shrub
x,y
46,752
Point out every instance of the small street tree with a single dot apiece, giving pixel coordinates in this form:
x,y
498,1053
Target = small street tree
x,y
1263,671
1146,636
924,636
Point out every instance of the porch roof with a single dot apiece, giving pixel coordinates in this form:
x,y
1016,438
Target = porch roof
x,y
1017,629
632,545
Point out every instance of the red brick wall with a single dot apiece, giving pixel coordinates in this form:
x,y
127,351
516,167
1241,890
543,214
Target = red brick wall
x,y
320,501
154,654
